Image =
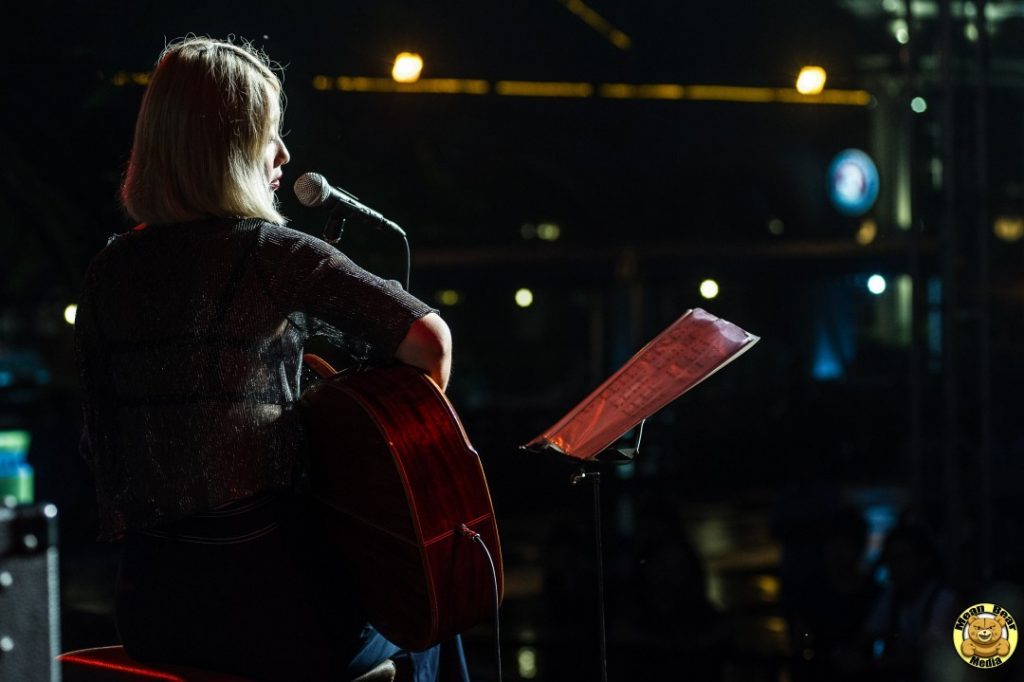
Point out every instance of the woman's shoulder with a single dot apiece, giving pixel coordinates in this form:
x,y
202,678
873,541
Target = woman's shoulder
x,y
273,236
115,244
277,231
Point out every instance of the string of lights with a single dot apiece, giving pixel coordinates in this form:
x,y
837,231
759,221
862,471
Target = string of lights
x,y
564,89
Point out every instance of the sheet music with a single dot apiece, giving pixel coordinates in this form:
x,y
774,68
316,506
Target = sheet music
x,y
686,353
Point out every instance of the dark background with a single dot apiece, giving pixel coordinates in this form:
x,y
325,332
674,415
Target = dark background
x,y
900,406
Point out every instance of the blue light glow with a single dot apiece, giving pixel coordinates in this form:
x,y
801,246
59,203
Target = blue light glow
x,y
827,364
853,182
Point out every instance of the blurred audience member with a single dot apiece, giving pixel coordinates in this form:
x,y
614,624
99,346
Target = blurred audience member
x,y
825,621
665,627
912,618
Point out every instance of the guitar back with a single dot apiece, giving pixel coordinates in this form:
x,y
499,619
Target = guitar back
x,y
396,473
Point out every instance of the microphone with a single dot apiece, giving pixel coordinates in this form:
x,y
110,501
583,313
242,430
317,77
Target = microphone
x,y
313,190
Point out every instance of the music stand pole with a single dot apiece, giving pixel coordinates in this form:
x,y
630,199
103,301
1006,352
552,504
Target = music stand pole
x,y
618,456
595,477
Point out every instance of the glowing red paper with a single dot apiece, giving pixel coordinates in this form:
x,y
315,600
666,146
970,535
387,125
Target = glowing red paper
x,y
690,350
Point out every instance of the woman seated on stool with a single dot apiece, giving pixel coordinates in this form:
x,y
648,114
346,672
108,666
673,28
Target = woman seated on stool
x,y
189,340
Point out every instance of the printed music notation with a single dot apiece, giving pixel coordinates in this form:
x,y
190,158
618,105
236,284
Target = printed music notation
x,y
686,353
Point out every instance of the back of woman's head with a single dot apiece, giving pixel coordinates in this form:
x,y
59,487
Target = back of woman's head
x,y
209,111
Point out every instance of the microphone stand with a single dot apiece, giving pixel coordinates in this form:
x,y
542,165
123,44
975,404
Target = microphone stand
x,y
335,226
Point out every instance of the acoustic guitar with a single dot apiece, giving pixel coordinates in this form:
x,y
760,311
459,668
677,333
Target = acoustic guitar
x,y
407,499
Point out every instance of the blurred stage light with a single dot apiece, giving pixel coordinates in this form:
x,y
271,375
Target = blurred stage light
x,y
900,31
442,86
867,232
1009,228
732,93
709,288
919,105
524,298
543,89
642,91
769,586
876,284
598,23
408,67
811,80
526,662
448,297
70,313
776,226
122,78
776,624
549,232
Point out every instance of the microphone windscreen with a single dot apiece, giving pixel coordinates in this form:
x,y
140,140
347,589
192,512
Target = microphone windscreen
x,y
312,189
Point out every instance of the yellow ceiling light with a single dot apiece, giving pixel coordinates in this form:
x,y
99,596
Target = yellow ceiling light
x,y
811,80
408,67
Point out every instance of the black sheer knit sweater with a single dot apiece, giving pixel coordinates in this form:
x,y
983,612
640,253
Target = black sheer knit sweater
x,y
189,340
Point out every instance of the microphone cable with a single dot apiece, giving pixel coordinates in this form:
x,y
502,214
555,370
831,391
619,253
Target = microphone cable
x,y
408,260
475,537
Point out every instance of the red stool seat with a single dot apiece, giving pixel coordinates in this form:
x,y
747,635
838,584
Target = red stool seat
x,y
112,664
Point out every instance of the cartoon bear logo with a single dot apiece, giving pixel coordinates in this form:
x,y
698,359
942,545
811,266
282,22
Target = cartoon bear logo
x,y
985,637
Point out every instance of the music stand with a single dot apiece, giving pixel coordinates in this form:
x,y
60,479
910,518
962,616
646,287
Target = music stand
x,y
687,352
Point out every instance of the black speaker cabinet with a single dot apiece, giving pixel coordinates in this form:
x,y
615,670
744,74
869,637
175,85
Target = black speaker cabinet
x,y
29,594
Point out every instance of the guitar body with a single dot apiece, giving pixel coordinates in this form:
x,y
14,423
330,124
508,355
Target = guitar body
x,y
398,478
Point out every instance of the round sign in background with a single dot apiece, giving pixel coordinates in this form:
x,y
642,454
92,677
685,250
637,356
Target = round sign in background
x,y
852,182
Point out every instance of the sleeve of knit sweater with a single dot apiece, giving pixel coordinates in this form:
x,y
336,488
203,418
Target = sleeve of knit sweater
x,y
355,309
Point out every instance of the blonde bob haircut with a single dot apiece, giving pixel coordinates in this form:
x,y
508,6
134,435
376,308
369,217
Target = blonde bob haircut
x,y
206,117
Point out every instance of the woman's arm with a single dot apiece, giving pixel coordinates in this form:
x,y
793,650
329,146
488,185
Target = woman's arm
x,y
428,346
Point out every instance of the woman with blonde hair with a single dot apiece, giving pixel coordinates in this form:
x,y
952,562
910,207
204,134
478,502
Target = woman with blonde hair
x,y
189,340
